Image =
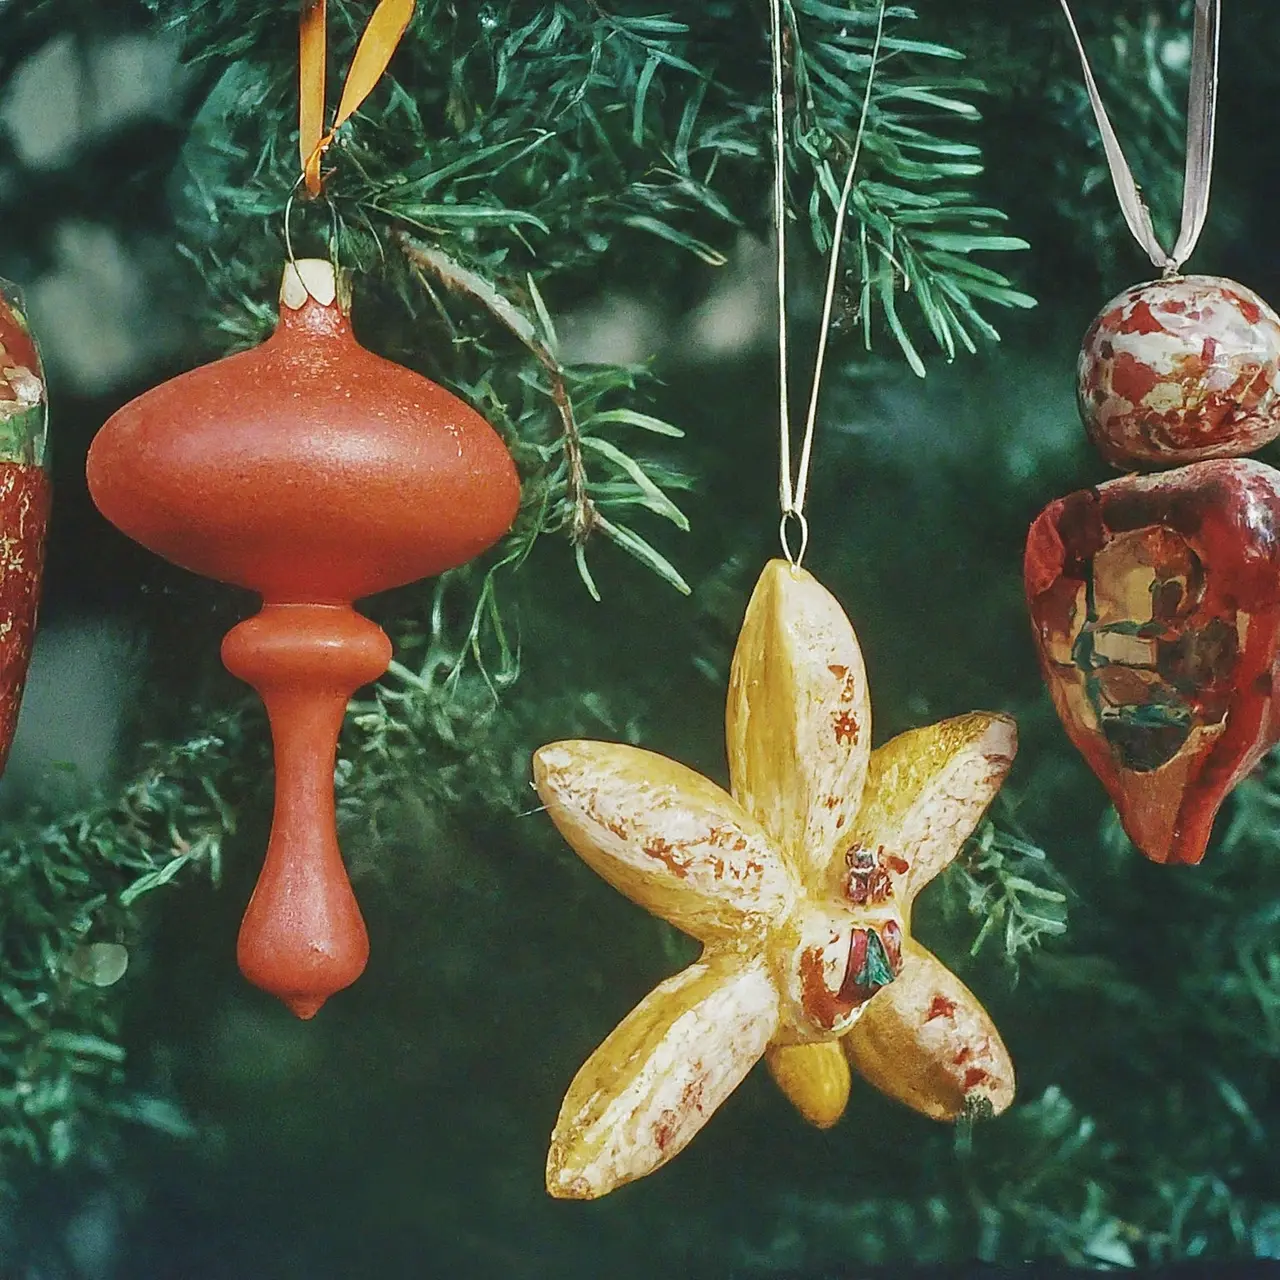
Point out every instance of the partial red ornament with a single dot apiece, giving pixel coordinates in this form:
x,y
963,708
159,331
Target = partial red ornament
x,y
24,503
315,473
1155,602
1181,370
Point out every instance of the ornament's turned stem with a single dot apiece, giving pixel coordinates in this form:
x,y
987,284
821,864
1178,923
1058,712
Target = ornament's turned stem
x,y
302,938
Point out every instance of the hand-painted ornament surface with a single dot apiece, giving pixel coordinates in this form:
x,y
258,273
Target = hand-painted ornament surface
x,y
314,473
1181,370
795,883
24,504
1155,602
925,1039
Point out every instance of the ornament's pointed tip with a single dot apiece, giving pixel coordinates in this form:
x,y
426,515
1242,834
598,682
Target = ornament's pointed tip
x,y
304,1007
563,1183
1173,852
1178,843
284,964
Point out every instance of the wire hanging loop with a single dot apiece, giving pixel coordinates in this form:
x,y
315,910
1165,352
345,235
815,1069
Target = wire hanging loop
x,y
792,491
1202,105
334,224
797,518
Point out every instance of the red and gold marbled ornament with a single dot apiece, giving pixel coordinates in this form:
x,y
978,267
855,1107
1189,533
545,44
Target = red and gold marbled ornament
x,y
1155,602
24,505
1180,370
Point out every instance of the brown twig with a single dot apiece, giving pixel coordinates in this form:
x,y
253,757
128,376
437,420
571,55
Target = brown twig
x,y
453,275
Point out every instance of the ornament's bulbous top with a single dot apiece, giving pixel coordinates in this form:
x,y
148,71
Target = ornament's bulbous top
x,y
1181,370
307,469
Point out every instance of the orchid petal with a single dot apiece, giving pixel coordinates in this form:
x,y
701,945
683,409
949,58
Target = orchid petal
x,y
668,838
927,1041
815,1078
926,790
799,717
652,1085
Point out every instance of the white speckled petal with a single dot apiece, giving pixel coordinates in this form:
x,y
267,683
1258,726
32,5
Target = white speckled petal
x,y
927,789
652,1085
798,721
668,838
927,1041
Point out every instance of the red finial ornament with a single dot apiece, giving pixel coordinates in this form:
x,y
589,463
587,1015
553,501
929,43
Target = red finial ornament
x,y
315,473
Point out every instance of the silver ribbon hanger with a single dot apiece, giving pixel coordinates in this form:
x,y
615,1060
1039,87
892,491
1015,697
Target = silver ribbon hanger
x,y
1202,106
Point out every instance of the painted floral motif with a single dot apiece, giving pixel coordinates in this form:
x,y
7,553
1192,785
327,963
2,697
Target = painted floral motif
x,y
22,390
24,506
1155,603
799,884
1180,370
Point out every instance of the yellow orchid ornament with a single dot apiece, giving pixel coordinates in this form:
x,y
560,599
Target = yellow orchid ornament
x,y
799,884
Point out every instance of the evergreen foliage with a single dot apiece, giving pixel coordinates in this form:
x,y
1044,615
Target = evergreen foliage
x,y
71,889
523,159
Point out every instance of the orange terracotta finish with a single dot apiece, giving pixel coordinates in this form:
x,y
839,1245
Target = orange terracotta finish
x,y
308,469
313,472
303,936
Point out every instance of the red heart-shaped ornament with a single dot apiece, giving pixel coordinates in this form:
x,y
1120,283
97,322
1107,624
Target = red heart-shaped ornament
x,y
1155,602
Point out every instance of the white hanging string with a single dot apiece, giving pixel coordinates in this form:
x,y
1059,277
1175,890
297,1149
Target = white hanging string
x,y
1202,105
828,302
792,492
785,492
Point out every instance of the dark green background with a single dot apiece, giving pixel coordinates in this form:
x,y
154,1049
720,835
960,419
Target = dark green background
x,y
403,1132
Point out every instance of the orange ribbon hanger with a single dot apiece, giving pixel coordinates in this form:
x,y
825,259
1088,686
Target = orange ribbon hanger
x,y
373,53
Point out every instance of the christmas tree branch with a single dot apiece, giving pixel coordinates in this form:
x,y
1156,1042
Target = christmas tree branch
x,y
912,234
453,275
1009,881
68,918
636,485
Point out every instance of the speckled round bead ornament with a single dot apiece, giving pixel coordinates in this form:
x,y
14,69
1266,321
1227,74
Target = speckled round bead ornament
x,y
1179,370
